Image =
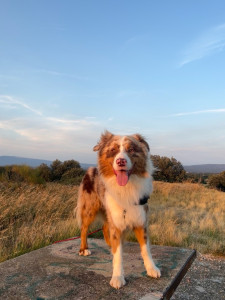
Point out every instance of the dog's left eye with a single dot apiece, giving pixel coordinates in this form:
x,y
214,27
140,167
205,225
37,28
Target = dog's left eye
x,y
131,150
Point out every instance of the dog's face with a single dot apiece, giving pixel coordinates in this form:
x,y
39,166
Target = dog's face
x,y
122,156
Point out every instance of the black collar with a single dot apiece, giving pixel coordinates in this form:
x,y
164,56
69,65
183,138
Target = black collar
x,y
143,200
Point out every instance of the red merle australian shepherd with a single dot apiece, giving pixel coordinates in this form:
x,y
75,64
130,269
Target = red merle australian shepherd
x,y
119,189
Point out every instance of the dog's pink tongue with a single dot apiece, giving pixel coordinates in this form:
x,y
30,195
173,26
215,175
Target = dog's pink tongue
x,y
122,177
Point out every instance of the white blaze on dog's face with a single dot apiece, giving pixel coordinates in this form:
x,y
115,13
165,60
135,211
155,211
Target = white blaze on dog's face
x,y
122,164
122,156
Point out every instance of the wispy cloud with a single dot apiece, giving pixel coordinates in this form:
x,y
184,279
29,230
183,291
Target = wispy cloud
x,y
135,40
39,133
37,123
209,43
198,112
66,121
62,74
11,101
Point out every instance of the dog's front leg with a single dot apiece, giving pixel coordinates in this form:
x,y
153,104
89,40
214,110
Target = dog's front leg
x,y
117,280
152,270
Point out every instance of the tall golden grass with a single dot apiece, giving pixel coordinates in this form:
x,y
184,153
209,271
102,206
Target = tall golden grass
x,y
188,215
181,214
33,216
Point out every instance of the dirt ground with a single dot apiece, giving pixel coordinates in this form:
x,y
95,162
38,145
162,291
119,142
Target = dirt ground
x,y
205,280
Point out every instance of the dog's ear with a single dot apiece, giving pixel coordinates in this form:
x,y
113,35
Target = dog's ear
x,y
142,140
105,137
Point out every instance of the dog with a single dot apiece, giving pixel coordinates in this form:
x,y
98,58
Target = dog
x,y
118,189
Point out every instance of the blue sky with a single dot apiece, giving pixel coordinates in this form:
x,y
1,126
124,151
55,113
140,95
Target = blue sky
x,y
71,69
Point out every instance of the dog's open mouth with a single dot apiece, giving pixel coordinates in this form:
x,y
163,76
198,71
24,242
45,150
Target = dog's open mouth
x,y
122,176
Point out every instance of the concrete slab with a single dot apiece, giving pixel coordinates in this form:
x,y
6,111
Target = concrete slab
x,y
58,272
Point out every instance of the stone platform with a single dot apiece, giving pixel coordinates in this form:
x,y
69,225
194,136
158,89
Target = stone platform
x,y
57,272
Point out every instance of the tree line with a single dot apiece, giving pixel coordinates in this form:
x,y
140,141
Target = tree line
x,y
171,170
67,172
70,172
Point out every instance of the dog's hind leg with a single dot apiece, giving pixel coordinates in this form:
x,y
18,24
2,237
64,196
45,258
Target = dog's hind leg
x,y
141,235
84,245
88,215
105,229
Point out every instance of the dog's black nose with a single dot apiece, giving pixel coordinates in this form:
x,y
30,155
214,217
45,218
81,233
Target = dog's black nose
x,y
121,162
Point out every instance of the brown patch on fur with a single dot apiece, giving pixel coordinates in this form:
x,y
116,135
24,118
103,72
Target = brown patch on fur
x,y
105,138
88,180
112,150
137,153
105,229
107,148
105,167
88,184
142,140
106,156
89,202
141,235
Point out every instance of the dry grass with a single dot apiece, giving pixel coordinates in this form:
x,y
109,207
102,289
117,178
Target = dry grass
x,y
33,216
185,215
188,215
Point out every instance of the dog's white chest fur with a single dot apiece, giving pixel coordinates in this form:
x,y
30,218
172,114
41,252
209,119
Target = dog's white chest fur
x,y
125,217
123,202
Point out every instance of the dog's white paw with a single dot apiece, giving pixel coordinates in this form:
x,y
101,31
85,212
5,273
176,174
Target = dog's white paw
x,y
154,272
85,252
117,282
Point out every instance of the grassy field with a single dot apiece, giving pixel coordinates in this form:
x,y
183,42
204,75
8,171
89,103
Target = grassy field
x,y
188,215
181,214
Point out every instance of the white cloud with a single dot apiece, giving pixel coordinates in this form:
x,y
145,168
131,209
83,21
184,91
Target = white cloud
x,y
207,111
66,121
209,43
11,101
37,135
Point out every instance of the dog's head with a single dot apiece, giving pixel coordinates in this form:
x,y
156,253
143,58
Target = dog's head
x,y
122,156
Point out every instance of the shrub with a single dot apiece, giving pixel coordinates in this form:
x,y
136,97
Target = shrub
x,y
73,176
21,173
168,169
45,172
60,170
217,181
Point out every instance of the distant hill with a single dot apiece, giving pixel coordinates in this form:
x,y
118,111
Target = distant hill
x,y
207,168
32,162
86,166
14,160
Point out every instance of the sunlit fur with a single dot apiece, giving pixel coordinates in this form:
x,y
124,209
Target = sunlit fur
x,y
118,205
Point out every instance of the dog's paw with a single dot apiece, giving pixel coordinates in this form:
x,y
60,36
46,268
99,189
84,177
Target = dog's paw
x,y
85,252
117,282
154,272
